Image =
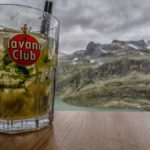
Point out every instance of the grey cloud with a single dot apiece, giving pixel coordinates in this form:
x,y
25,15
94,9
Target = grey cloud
x,y
98,20
111,19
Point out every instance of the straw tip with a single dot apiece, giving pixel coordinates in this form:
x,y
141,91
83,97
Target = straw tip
x,y
48,6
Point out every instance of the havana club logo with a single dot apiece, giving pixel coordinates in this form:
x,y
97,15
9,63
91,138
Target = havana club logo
x,y
23,49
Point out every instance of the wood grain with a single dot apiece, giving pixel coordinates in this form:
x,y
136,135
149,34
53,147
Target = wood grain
x,y
86,131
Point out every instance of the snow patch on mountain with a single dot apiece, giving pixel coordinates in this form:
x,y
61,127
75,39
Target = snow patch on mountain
x,y
142,54
133,46
92,61
104,51
100,63
76,59
148,47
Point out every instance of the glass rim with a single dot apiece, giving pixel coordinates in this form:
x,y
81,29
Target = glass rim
x,y
26,6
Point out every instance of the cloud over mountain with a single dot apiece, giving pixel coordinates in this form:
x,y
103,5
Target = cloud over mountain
x,y
100,21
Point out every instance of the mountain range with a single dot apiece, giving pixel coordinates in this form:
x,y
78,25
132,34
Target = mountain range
x,y
115,75
100,52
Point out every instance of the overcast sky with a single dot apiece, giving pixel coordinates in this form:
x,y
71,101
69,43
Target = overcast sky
x,y
100,21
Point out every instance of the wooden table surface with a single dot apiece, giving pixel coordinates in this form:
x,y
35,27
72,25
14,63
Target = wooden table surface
x,y
86,131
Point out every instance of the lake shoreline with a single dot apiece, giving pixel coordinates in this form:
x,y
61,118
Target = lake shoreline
x,y
60,105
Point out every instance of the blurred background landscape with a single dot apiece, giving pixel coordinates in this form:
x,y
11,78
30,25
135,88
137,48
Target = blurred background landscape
x,y
115,75
103,55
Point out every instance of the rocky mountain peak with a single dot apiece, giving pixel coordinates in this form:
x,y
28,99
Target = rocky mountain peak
x,y
91,47
103,52
141,43
117,41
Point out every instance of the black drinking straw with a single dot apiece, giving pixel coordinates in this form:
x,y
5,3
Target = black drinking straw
x,y
46,20
48,6
45,25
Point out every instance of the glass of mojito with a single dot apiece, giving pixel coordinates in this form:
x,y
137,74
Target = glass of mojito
x,y
28,59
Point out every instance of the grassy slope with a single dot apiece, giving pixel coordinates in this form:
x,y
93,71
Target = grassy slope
x,y
126,87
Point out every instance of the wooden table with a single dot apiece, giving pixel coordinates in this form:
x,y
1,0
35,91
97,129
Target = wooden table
x,y
86,131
